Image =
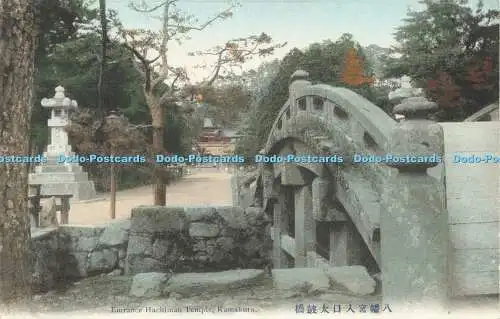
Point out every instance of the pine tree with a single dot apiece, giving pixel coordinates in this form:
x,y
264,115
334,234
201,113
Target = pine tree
x,y
18,45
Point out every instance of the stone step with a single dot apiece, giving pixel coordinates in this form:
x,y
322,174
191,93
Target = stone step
x,y
191,284
52,156
81,190
57,177
54,168
199,283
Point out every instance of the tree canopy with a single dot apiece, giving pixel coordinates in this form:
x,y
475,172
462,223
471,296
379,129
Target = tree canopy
x,y
70,57
326,63
451,51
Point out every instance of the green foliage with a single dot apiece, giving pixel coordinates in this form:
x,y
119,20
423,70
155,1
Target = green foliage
x,y
120,139
178,133
258,80
68,56
440,48
324,63
226,102
74,66
60,21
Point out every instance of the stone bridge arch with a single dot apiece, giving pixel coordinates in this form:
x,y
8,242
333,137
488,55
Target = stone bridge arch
x,y
322,120
380,215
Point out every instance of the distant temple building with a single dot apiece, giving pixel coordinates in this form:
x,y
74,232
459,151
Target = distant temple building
x,y
215,140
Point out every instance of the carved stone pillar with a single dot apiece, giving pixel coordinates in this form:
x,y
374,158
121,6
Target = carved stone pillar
x,y
414,226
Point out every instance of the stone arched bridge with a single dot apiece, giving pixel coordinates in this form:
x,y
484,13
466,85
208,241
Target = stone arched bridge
x,y
387,218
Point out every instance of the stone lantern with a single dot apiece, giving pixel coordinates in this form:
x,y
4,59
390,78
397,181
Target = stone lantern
x,y
60,106
405,91
61,173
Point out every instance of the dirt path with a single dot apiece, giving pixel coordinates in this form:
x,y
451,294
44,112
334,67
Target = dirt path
x,y
204,186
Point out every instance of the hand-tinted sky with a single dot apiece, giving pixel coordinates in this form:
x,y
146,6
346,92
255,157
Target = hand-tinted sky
x,y
299,23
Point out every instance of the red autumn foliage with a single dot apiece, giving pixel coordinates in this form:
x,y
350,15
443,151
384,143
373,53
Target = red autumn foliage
x,y
478,75
448,94
352,72
444,91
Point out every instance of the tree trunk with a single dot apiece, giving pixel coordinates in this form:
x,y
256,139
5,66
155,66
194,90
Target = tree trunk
x,y
102,65
160,188
17,46
158,123
112,204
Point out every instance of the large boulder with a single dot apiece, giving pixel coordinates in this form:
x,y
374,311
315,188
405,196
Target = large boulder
x,y
148,284
102,261
151,219
305,280
198,283
354,278
115,234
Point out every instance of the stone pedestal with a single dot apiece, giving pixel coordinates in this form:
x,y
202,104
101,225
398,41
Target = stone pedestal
x,y
61,178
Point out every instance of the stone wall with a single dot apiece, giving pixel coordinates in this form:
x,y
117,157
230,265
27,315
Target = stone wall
x,y
90,250
68,253
45,259
154,239
197,239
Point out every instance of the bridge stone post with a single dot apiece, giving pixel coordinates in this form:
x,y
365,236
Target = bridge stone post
x,y
280,227
414,228
299,79
305,225
273,204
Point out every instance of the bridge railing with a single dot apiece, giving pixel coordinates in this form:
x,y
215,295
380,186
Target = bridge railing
x,y
365,120
356,125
